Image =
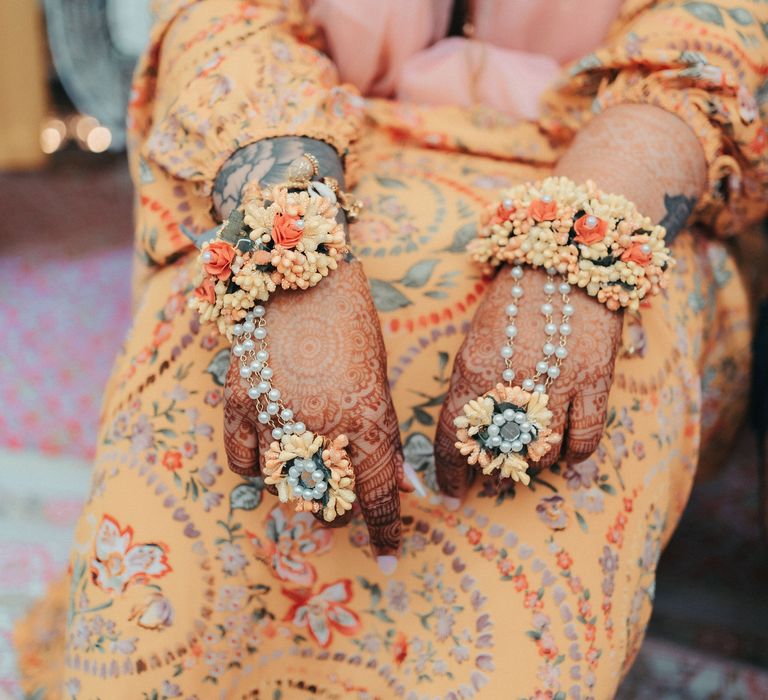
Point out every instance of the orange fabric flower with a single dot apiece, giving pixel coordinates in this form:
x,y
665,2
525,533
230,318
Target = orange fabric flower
x,y
206,291
636,254
172,460
222,255
589,234
284,231
541,210
503,213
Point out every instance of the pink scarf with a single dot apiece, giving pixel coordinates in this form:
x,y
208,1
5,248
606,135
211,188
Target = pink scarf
x,y
398,49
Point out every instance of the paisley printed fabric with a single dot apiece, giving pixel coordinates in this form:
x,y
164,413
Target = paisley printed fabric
x,y
188,581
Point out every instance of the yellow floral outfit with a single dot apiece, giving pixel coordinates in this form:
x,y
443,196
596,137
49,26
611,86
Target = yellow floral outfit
x,y
189,581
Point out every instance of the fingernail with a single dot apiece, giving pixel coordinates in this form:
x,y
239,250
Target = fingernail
x,y
387,564
413,477
451,503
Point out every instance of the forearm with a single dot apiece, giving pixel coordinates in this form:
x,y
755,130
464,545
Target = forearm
x,y
267,161
646,154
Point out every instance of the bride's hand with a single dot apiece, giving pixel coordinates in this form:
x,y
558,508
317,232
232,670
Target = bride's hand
x,y
578,398
329,362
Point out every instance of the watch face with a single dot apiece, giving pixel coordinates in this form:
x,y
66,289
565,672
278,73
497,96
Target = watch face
x,y
95,45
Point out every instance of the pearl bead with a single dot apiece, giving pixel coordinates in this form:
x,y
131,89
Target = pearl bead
x,y
525,427
517,272
506,351
253,393
511,310
548,349
540,389
525,438
565,329
263,387
292,481
249,316
517,291
542,366
546,198
568,310
299,225
564,288
547,309
263,417
561,352
520,417
238,350
505,446
272,409
266,373
528,384
277,433
551,271
495,441
207,256
508,375
591,221
259,311
260,333
493,430
237,329
318,475
508,203
550,329
286,414
273,394
645,248
554,372
248,345
262,355
322,487
245,372
288,428
299,428
517,445
255,366
549,288
498,419
511,330
248,327
509,415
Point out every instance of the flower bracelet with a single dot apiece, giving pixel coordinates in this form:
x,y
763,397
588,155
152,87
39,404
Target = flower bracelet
x,y
593,240
285,238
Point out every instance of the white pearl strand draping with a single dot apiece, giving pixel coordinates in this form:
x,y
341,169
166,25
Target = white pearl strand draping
x,y
546,370
304,477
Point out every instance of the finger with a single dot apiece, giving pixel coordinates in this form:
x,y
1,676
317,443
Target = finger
x,y
403,480
454,473
586,421
240,438
376,455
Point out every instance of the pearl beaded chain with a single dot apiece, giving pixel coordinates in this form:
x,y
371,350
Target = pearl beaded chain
x,y
254,368
546,371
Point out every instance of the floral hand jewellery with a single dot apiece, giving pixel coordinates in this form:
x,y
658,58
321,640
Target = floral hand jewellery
x,y
286,238
596,241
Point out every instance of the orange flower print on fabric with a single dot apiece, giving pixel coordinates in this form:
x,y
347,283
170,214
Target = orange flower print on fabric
x,y
222,255
206,291
172,460
543,210
288,540
636,254
589,229
285,232
117,562
324,611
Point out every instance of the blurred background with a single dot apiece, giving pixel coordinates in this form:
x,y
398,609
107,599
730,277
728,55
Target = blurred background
x,y
65,257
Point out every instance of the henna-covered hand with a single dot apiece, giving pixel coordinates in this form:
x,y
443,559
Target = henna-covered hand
x,y
578,398
328,358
